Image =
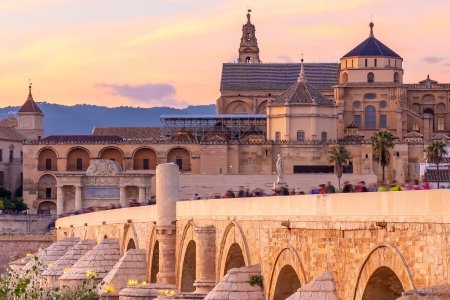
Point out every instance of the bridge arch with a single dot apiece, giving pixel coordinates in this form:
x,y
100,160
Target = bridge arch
x,y
287,274
187,263
129,234
384,262
153,256
233,238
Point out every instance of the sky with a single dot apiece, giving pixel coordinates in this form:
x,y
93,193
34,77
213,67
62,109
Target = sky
x,y
146,53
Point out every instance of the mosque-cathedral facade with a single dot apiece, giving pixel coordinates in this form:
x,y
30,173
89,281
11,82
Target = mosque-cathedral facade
x,y
306,108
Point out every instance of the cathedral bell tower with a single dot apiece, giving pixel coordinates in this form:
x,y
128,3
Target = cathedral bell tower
x,y
31,119
248,49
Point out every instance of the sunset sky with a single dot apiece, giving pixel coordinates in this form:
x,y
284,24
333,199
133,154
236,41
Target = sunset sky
x,y
170,53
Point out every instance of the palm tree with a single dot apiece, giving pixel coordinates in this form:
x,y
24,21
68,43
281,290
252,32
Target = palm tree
x,y
435,152
382,141
339,157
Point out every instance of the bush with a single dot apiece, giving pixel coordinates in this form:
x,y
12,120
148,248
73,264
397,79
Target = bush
x,y
29,285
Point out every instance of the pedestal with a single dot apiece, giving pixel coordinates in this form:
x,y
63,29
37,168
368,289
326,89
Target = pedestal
x,y
280,182
166,236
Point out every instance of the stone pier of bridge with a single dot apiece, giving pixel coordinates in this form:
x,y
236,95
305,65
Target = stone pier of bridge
x,y
349,246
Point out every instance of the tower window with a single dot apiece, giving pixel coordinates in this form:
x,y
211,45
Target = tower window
x,y
277,136
346,63
365,62
248,36
300,136
375,62
248,60
395,63
370,77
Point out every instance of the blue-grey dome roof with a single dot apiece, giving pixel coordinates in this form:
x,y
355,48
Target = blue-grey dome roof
x,y
372,47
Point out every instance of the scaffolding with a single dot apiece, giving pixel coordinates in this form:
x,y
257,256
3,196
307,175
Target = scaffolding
x,y
204,127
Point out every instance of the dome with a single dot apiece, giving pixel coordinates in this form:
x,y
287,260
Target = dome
x,y
371,47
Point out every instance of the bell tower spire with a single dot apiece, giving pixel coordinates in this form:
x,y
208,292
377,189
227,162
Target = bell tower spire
x,y
248,49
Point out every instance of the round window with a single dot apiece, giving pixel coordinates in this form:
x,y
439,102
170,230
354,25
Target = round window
x,y
441,107
383,104
416,107
356,104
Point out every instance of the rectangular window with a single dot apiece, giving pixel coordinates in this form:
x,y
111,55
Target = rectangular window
x,y
79,164
300,136
48,163
48,192
383,121
440,124
11,156
352,63
365,62
389,62
375,62
346,63
21,157
357,120
2,177
324,136
250,161
113,159
1,155
146,164
277,136
395,61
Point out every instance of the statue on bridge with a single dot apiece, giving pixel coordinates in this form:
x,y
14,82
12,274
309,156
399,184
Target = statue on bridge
x,y
280,172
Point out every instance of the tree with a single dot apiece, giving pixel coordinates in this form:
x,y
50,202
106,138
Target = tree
x,y
435,152
382,141
338,156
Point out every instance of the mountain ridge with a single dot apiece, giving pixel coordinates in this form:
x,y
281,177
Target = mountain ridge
x,y
81,118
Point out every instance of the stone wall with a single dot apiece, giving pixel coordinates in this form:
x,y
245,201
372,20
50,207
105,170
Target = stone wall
x,y
24,223
14,246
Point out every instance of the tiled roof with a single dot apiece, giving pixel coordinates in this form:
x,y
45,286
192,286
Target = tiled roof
x,y
413,134
432,175
440,136
302,92
81,139
276,76
428,80
9,121
30,105
372,47
129,132
11,134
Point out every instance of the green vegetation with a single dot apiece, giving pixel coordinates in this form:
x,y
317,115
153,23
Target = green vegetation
x,y
338,156
16,204
30,285
435,152
256,279
382,141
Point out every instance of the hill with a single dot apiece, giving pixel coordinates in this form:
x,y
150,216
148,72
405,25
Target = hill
x,y
81,118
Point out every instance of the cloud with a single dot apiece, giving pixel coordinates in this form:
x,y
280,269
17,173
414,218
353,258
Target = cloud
x,y
151,94
446,65
285,58
433,59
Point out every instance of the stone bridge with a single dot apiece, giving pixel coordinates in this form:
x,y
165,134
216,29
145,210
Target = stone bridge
x,y
375,245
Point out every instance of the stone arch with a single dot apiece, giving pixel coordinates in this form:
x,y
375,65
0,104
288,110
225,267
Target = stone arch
x,y
287,283
129,233
344,78
47,159
288,256
238,107
153,256
233,234
145,158
46,186
188,272
130,245
383,255
47,208
235,258
180,156
383,284
112,153
262,108
187,236
78,159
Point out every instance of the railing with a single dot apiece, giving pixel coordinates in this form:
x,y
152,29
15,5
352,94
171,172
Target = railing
x,y
44,168
74,167
21,217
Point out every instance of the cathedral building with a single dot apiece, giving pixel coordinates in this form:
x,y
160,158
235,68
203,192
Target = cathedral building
x,y
298,110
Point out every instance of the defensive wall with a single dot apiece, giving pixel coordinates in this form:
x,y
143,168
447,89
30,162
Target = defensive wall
x,y
374,244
